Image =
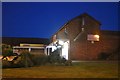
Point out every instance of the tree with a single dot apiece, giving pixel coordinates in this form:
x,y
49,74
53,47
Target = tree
x,y
6,50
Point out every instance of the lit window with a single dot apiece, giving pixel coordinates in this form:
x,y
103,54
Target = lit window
x,y
61,42
92,37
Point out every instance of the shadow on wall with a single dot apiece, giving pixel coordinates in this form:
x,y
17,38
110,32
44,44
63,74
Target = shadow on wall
x,y
109,56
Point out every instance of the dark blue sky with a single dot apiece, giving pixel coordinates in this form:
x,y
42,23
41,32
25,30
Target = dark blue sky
x,y
42,20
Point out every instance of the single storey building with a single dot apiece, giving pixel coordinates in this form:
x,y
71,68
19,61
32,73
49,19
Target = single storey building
x,y
33,45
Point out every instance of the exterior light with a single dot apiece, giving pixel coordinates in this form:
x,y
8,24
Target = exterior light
x,y
53,48
55,42
61,42
82,29
97,36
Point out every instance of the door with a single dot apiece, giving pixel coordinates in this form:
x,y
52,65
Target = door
x,y
65,49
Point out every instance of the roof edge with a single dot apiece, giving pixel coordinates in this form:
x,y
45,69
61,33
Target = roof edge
x,y
81,15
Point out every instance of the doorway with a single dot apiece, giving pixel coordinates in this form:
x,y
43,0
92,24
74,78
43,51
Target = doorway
x,y
65,49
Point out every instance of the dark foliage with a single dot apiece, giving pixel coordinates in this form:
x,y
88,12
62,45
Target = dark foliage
x,y
55,58
23,60
6,64
40,59
103,56
7,50
26,59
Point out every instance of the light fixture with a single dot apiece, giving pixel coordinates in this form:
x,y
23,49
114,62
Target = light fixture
x,y
53,48
61,42
97,36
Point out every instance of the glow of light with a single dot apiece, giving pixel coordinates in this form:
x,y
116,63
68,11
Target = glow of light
x,y
55,42
61,42
65,50
82,29
53,48
97,36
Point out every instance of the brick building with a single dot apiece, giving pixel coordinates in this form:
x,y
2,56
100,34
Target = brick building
x,y
79,39
82,39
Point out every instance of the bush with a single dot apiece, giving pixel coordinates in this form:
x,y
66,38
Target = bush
x,y
40,59
7,52
103,56
55,57
6,64
68,63
23,60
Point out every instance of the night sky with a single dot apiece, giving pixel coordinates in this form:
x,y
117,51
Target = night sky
x,y
42,20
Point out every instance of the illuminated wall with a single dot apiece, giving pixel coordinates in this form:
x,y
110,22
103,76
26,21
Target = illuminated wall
x,y
83,48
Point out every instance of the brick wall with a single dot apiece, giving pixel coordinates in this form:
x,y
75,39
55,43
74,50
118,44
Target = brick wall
x,y
82,49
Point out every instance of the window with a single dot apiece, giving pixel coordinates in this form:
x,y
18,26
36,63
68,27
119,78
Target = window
x,y
92,37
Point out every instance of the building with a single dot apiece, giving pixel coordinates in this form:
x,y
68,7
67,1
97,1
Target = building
x,y
16,41
82,39
79,39
35,49
33,45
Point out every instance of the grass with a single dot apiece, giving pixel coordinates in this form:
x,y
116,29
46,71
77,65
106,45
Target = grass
x,y
77,70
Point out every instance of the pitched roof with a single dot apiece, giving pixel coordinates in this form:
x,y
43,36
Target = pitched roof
x,y
86,14
80,16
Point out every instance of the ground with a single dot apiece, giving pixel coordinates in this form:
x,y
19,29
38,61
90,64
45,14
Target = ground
x,y
77,70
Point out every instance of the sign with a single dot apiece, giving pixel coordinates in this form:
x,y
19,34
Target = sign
x,y
92,37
